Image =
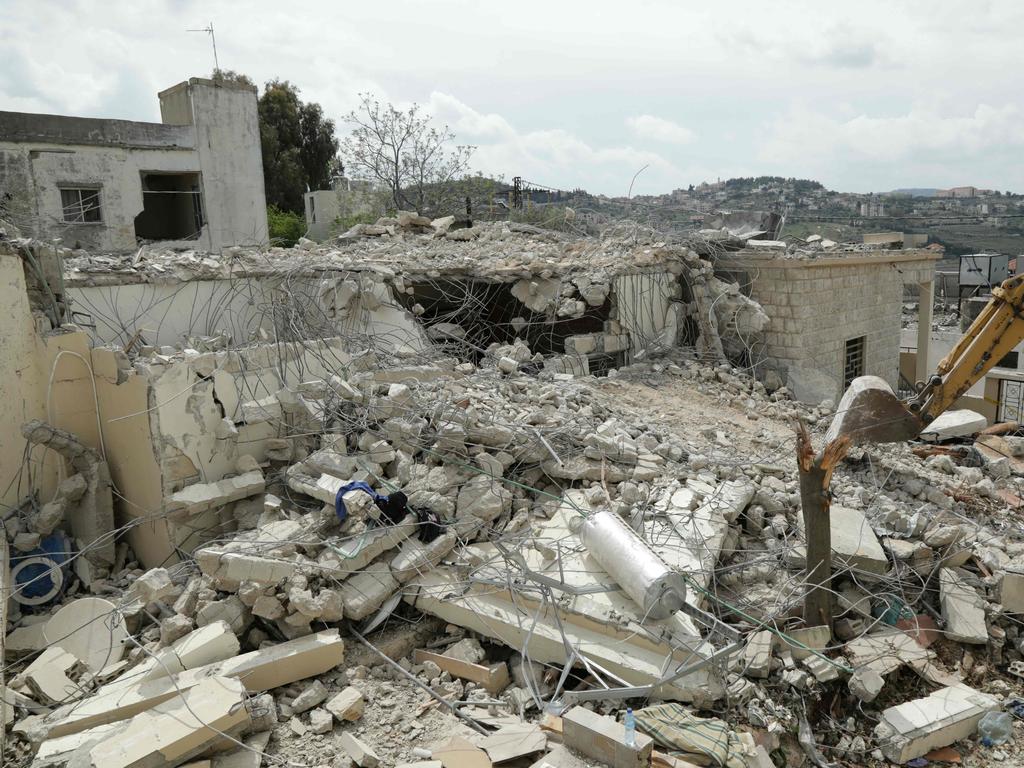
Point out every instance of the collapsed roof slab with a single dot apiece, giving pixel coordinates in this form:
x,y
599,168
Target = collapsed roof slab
x,y
526,624
600,622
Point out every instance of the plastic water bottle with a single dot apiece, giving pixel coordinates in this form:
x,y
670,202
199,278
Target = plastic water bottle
x,y
630,722
995,728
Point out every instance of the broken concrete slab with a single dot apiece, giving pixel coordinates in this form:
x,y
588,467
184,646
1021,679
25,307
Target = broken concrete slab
x,y
48,676
912,729
962,422
514,741
614,646
886,650
25,640
206,645
854,543
962,608
459,753
239,567
258,670
367,590
360,752
202,497
178,729
604,739
1011,592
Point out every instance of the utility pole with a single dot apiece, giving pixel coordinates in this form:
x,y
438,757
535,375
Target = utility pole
x,y
209,30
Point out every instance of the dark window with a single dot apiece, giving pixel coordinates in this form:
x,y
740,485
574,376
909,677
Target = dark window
x,y
172,207
1010,360
81,205
854,362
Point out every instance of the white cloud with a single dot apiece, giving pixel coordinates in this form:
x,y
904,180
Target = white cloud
x,y
659,129
920,131
546,156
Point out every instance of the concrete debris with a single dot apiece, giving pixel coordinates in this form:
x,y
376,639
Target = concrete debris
x,y
962,609
956,423
604,739
521,466
914,728
346,706
179,729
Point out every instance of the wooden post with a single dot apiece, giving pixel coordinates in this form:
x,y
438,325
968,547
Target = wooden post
x,y
815,500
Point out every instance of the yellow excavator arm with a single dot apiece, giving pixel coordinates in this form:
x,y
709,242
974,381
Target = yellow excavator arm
x,y
869,412
994,333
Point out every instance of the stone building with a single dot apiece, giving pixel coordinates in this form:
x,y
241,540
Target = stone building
x,y
329,209
104,185
834,317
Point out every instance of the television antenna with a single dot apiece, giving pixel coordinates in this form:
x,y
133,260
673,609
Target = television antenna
x,y
209,30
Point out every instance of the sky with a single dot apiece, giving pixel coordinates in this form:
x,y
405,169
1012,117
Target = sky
x,y
862,96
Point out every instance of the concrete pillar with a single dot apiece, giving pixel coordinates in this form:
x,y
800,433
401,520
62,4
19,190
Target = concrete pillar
x,y
926,300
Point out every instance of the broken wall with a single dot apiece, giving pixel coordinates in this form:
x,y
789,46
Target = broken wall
x,y
47,377
246,309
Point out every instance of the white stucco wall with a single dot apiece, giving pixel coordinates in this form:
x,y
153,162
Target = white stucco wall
x,y
228,145
116,170
208,129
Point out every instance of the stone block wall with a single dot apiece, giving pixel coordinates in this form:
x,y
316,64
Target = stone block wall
x,y
815,307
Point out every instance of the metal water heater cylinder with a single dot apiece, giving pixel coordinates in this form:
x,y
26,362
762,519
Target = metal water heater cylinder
x,y
636,568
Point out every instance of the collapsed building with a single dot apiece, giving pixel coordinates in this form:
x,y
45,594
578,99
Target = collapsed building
x,y
446,494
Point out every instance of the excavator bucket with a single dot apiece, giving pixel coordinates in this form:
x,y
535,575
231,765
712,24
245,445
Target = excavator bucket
x,y
871,413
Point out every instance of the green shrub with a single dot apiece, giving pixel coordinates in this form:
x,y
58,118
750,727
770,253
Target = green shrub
x,y
285,227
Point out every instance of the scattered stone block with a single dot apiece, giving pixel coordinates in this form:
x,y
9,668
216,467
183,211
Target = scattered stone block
x,y
813,638
757,656
231,610
314,694
604,739
346,706
962,608
865,683
367,590
320,721
914,728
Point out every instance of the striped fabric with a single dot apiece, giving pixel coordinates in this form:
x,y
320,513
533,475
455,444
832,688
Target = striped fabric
x,y
674,728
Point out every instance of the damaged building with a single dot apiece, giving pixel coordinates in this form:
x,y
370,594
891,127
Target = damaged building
x,y
455,497
103,185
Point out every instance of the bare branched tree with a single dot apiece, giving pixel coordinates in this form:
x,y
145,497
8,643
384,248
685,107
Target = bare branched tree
x,y
405,152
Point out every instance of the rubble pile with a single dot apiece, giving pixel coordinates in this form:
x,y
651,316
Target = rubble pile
x,y
454,561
